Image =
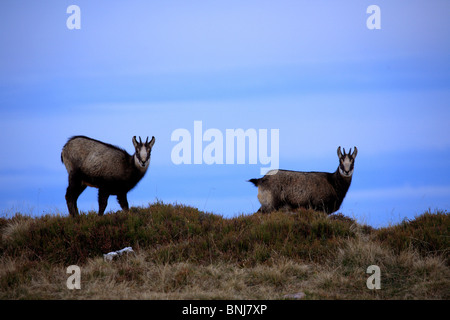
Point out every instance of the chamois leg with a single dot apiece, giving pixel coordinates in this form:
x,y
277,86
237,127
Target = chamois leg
x,y
122,199
102,201
266,199
265,209
74,190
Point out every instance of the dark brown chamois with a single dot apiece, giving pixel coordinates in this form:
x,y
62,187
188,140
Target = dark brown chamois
x,y
321,191
100,165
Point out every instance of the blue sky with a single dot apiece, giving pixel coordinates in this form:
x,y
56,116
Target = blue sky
x,y
313,70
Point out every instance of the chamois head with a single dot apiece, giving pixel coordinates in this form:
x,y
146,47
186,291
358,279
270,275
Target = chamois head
x,y
346,162
142,154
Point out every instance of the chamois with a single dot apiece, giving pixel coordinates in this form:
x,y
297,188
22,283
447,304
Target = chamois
x,y
100,165
321,191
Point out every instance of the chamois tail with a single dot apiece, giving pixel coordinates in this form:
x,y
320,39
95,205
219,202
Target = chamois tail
x,y
255,181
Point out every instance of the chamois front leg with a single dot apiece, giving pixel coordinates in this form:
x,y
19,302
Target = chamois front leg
x,y
102,201
74,190
122,199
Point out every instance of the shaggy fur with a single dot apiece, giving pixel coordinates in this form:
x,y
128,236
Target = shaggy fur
x,y
321,191
100,165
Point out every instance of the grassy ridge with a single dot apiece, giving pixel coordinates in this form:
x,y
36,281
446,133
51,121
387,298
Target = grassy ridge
x,y
176,233
182,252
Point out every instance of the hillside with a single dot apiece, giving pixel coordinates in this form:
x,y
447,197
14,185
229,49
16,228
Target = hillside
x,y
183,253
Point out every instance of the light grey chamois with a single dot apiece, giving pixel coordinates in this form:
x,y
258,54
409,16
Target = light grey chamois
x,y
100,165
321,191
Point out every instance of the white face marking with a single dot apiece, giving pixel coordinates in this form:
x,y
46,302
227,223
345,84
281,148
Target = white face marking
x,y
143,154
140,165
143,162
347,165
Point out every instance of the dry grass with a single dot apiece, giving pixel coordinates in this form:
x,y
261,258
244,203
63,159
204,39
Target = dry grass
x,y
183,253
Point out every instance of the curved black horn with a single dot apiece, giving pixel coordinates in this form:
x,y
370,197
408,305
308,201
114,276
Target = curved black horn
x,y
146,141
140,141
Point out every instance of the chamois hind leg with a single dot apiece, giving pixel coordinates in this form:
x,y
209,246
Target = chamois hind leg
x,y
122,199
266,199
264,209
102,201
74,190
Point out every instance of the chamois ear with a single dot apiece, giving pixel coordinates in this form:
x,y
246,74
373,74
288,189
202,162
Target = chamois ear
x,y
135,143
339,153
152,142
355,152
